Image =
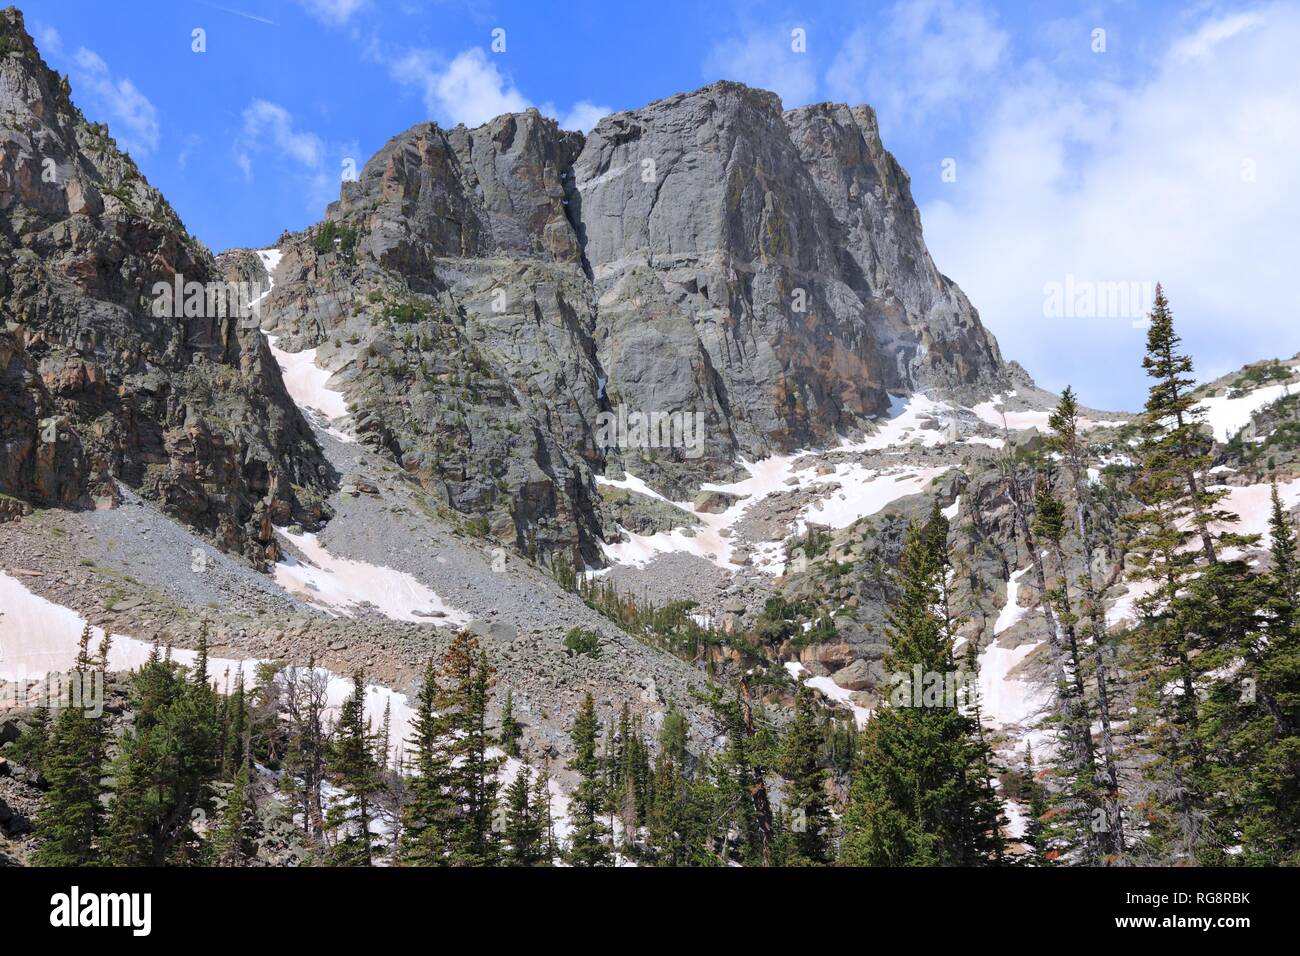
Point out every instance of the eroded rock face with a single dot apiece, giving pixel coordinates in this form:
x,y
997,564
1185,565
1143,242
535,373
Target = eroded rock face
x,y
490,300
94,388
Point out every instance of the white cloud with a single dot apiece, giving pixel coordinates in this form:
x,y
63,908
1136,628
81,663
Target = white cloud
x,y
132,118
270,129
584,115
332,11
470,89
47,39
270,126
765,59
930,55
1186,178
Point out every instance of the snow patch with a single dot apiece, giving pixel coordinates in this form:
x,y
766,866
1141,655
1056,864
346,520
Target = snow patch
x,y
341,585
1227,416
831,690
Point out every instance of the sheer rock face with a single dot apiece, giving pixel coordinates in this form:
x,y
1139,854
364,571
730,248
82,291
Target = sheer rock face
x,y
495,290
94,388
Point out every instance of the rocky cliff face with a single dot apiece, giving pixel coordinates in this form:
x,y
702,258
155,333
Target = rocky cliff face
x,y
492,299
94,388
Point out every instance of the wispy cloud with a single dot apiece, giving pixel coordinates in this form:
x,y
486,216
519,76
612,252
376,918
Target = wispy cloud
x,y
269,130
930,56
132,118
1185,177
766,58
333,12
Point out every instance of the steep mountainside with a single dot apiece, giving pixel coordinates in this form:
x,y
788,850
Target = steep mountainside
x,y
485,297
95,390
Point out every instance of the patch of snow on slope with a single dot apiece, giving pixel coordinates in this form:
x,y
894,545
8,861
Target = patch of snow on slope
x,y
1011,612
304,380
832,690
39,637
342,584
1227,416
864,491
903,425
1253,504
992,413
1006,701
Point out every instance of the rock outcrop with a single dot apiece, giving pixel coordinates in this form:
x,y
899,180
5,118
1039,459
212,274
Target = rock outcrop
x,y
96,389
498,302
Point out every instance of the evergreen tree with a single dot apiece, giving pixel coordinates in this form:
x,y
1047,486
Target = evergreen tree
x,y
524,835
805,792
1197,614
588,842
919,795
1064,424
132,822
233,843
351,767
510,730
70,817
469,774
427,816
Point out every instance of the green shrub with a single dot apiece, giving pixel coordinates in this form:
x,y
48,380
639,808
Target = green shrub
x,y
580,640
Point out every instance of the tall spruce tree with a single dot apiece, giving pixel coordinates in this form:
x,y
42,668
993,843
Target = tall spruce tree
x,y
589,838
1064,424
351,767
1196,614
805,791
919,794
70,819
429,811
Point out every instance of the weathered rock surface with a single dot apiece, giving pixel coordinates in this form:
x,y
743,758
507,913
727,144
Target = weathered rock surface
x,y
488,298
94,388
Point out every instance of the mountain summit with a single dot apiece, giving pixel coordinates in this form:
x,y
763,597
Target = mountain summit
x,y
708,255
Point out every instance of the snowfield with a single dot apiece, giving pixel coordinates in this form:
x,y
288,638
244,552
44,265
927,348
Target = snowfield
x,y
39,637
341,585
1227,416
862,492
304,380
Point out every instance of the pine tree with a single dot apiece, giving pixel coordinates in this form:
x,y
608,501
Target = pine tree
x,y
131,823
469,774
805,793
920,794
236,726
427,816
524,835
71,818
1251,717
233,843
588,842
1064,423
351,767
1196,616
304,759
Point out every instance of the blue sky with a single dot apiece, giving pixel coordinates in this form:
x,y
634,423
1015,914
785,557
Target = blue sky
x,y
1044,154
